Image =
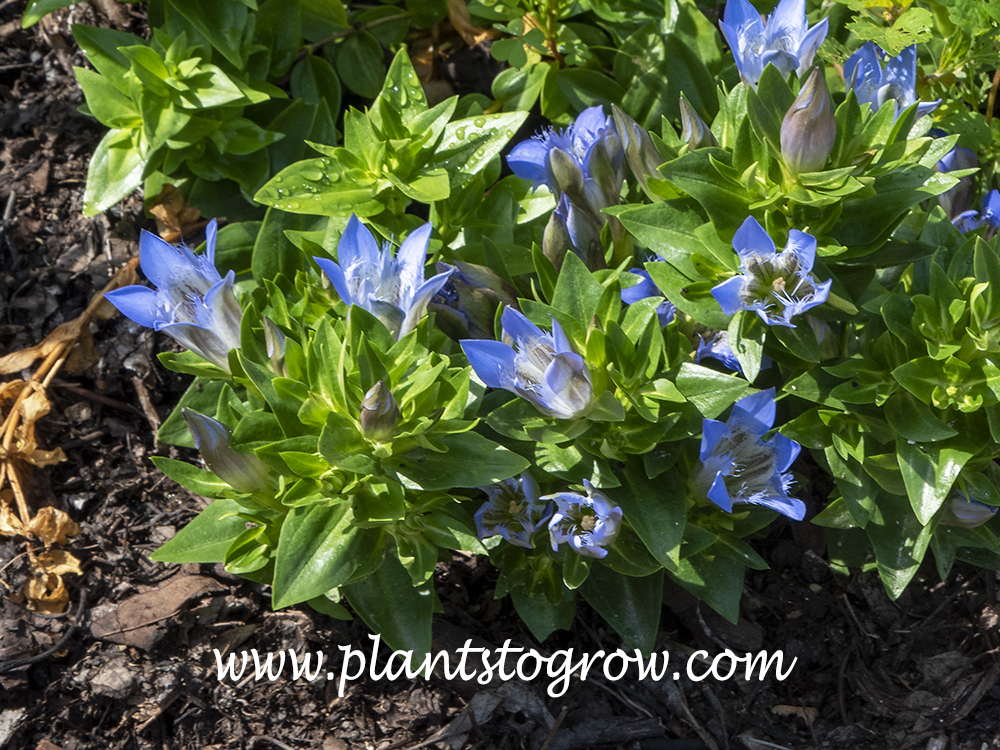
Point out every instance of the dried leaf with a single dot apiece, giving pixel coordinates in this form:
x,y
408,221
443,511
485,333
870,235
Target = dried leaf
x,y
84,354
52,526
38,457
808,714
458,14
55,561
34,407
10,523
46,594
172,214
20,360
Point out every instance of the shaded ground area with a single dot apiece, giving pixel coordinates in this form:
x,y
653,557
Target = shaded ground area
x,y
131,664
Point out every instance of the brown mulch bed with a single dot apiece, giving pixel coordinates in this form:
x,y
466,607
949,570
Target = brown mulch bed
x,y
131,664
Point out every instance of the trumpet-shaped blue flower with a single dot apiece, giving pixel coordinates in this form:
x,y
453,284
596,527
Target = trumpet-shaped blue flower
x,y
876,85
589,523
192,303
540,367
784,40
514,511
645,289
737,466
243,472
777,286
717,347
392,289
958,200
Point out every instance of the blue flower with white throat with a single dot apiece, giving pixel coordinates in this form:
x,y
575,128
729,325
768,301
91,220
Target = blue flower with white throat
x,y
896,82
588,523
192,303
543,368
393,289
784,40
776,286
739,467
513,511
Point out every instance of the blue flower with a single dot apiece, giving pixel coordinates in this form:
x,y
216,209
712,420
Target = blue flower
x,y
581,141
540,367
957,200
967,512
244,472
513,511
784,40
645,289
392,289
192,303
896,82
738,467
718,348
990,215
588,522
777,286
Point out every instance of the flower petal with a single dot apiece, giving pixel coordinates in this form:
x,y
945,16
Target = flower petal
x,y
751,238
527,160
809,44
357,245
719,494
335,273
757,408
418,304
803,245
728,294
138,303
518,327
493,361
203,342
712,432
786,506
211,233
411,258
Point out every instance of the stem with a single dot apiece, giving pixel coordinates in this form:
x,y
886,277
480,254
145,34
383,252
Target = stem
x,y
310,48
551,18
991,100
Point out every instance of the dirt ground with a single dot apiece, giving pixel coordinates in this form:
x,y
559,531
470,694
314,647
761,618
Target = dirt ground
x,y
131,664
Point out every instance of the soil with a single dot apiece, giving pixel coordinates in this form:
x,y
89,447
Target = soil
x,y
131,664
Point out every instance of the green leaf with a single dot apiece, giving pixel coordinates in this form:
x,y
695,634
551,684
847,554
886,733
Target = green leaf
x,y
273,252
705,175
207,538
115,171
540,615
469,460
710,391
468,145
858,489
656,510
36,9
576,292
746,339
360,65
586,88
224,25
109,105
201,396
630,605
342,445
915,420
314,80
900,541
101,47
319,549
390,605
199,481
715,578
929,472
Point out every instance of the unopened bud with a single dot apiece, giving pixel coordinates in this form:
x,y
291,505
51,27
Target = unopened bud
x,y
965,512
274,340
641,153
556,241
694,132
809,129
241,471
379,413
565,174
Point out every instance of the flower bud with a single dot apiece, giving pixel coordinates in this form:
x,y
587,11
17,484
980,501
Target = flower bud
x,y
965,512
241,471
641,153
379,413
694,131
809,130
274,340
556,241
566,176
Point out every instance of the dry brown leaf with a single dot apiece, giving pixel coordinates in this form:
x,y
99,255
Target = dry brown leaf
x,y
55,561
46,594
172,214
10,522
20,360
34,406
458,14
10,390
38,457
807,714
52,526
84,354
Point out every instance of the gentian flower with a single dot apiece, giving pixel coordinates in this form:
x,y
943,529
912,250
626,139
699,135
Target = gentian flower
x,y
540,367
990,216
784,40
777,286
967,512
514,511
717,347
192,303
583,165
808,130
588,522
738,467
645,289
896,82
244,472
379,413
392,289
957,200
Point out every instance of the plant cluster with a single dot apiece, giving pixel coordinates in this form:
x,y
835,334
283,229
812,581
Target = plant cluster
x,y
711,282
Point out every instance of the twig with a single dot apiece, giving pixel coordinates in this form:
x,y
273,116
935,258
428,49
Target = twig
x,y
147,408
99,398
555,728
992,97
